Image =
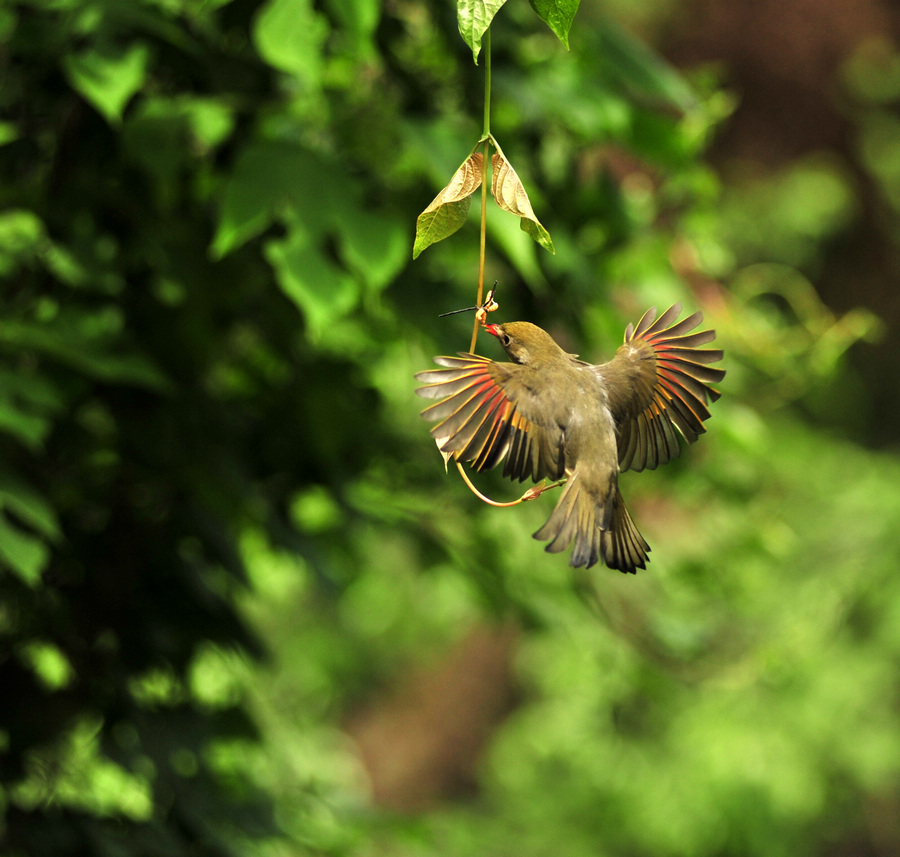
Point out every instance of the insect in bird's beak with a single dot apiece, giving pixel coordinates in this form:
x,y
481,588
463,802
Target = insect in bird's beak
x,y
481,312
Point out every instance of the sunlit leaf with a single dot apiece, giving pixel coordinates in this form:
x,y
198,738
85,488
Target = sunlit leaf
x,y
448,210
433,226
265,177
168,123
508,190
63,264
49,664
211,120
21,235
557,15
289,34
321,289
474,17
85,777
22,553
357,19
321,209
315,511
27,427
28,505
274,181
375,248
108,81
8,132
26,405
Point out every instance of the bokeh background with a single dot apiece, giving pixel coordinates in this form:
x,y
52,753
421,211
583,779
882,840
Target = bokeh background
x,y
243,609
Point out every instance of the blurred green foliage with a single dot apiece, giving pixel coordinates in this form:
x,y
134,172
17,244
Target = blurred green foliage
x,y
224,527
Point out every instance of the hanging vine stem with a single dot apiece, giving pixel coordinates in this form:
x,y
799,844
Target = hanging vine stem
x,y
485,168
487,305
449,210
532,493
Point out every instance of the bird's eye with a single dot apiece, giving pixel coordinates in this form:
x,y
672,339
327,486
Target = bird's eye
x,y
505,339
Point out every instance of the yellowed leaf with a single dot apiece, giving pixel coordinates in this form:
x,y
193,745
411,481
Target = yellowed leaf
x,y
508,190
448,210
466,180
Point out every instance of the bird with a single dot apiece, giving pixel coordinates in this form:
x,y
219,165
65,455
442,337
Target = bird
x,y
549,415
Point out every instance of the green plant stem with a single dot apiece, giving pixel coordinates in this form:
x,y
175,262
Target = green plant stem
x,y
487,83
485,176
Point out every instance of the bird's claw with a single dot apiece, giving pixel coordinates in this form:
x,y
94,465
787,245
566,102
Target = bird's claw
x,y
536,490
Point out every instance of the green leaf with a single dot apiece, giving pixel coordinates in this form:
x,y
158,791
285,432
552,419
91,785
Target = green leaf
x,y
22,233
434,226
269,180
321,289
211,120
373,247
557,15
28,505
19,228
447,212
535,230
508,190
474,17
9,131
276,181
29,428
24,554
108,81
48,663
63,264
163,133
358,20
86,341
317,203
289,35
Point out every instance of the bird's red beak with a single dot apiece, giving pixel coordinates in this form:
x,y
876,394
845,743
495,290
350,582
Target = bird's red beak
x,y
492,329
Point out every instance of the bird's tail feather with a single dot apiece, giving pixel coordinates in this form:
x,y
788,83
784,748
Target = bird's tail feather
x,y
597,529
622,545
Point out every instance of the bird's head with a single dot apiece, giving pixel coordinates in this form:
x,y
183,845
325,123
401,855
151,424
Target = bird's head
x,y
525,343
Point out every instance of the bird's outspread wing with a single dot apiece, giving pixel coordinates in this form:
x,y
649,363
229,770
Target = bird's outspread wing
x,y
486,413
659,387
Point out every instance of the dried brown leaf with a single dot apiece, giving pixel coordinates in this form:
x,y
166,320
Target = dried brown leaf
x,y
448,210
508,190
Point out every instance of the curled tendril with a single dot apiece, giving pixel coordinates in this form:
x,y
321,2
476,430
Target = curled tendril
x,y
531,494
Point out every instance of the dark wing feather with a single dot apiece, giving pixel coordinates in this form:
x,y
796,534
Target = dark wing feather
x,y
659,387
486,414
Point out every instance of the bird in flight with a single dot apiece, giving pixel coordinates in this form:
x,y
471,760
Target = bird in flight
x,y
548,414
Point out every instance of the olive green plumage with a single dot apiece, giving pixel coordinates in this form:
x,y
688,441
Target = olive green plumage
x,y
548,414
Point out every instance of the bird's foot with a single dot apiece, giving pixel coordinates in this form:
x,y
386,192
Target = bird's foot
x,y
535,491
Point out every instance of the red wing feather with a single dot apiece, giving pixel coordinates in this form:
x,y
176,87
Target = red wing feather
x,y
679,396
478,420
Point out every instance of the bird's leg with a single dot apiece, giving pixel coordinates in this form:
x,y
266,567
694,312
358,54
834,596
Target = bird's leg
x,y
531,494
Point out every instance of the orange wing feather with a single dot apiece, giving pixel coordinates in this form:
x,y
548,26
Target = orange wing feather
x,y
675,402
482,419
